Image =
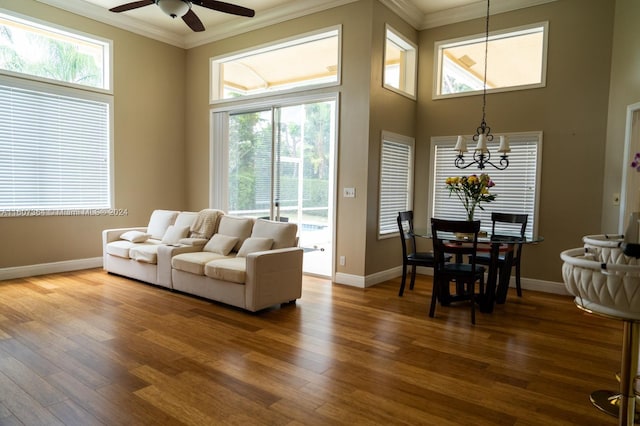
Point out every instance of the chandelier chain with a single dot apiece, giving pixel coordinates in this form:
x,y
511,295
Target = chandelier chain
x,y
481,155
486,55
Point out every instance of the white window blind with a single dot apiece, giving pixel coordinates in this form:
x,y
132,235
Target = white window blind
x,y
516,187
396,180
54,148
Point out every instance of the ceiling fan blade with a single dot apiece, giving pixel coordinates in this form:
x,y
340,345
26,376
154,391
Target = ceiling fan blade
x,y
192,20
132,5
225,7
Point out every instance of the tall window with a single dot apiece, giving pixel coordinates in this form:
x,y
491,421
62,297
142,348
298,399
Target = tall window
x,y
396,181
400,64
55,140
288,65
517,188
516,61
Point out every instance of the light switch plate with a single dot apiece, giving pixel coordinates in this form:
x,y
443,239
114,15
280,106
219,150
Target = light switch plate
x,y
349,192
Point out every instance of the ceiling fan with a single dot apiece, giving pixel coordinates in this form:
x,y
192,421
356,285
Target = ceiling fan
x,y
182,8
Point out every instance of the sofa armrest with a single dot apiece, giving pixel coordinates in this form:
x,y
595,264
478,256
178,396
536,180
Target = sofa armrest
x,y
165,253
272,277
109,235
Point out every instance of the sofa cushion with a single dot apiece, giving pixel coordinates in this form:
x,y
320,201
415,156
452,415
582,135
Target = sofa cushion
x,y
197,242
193,262
233,269
135,236
147,253
221,244
234,226
254,244
282,233
185,219
175,234
119,248
160,221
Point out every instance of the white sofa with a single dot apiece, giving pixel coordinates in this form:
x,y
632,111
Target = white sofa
x,y
251,264
144,253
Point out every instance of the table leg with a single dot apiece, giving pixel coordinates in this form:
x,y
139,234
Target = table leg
x,y
505,277
488,299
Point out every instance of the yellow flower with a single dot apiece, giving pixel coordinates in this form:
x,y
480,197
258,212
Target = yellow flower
x,y
471,190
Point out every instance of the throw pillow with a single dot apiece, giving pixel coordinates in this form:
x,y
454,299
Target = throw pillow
x,y
160,221
221,244
254,244
135,236
174,234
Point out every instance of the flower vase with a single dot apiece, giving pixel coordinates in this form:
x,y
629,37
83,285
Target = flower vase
x,y
470,211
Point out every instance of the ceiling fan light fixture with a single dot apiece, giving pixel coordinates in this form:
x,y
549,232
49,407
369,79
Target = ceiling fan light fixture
x,y
174,8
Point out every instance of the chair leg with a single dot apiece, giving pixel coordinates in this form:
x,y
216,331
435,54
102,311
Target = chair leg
x,y
434,295
413,277
404,279
473,302
518,287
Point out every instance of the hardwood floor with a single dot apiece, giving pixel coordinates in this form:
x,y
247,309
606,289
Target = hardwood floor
x,y
89,348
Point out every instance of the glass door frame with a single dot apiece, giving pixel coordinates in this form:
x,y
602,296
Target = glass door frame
x,y
218,151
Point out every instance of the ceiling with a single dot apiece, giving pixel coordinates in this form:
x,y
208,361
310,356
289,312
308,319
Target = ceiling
x,y
150,21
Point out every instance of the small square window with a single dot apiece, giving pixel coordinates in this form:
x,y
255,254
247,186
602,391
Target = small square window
x,y
400,64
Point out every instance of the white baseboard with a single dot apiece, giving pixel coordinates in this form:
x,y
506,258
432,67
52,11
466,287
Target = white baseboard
x,y
49,268
340,278
380,277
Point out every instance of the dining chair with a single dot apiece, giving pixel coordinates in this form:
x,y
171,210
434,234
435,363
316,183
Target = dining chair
x,y
410,257
464,274
505,222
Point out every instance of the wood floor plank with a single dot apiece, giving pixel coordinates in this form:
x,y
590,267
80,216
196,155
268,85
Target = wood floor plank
x,y
87,347
23,406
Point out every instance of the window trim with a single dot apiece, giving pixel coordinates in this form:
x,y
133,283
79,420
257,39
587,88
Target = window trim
x,y
410,142
397,34
437,62
214,66
451,140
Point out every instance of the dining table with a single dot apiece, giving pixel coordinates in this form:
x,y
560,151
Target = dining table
x,y
498,277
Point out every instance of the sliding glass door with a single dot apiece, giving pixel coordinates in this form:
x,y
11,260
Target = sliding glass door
x,y
280,165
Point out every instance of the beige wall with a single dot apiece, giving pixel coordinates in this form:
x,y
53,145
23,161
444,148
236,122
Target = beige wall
x,y
388,111
161,126
624,91
571,111
355,19
148,149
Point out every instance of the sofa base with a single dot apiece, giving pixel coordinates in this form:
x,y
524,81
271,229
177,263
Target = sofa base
x,y
209,288
133,269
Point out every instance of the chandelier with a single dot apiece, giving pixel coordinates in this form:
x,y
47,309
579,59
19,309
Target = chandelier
x,y
481,153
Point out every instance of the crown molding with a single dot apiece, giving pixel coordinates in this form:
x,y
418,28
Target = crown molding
x,y
275,15
234,26
100,14
407,10
474,11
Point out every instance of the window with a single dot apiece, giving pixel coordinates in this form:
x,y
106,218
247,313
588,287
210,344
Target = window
x,y
34,49
400,64
516,61
308,60
55,140
517,187
396,181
